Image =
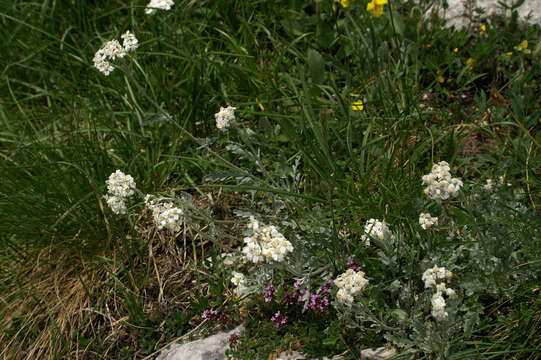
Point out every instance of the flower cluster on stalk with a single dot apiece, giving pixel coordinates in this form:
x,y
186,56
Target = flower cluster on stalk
x,y
119,187
434,278
265,243
350,284
427,221
225,117
441,186
165,214
215,315
153,5
375,229
112,50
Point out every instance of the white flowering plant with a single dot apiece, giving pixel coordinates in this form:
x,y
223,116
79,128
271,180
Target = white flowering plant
x,y
316,118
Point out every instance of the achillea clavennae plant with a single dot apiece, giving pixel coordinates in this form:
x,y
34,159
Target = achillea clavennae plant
x,y
349,284
153,5
431,277
375,229
265,243
165,214
129,41
440,184
427,221
225,117
120,187
112,50
239,280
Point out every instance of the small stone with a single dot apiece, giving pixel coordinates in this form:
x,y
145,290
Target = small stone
x,y
212,347
378,354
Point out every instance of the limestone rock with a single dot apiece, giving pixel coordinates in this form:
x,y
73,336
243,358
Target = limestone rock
x,y
378,354
210,348
457,12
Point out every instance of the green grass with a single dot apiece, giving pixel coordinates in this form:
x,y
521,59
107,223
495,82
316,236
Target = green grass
x,y
81,282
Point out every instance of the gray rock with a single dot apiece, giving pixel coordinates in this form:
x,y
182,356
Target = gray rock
x,y
378,354
457,12
210,348
381,353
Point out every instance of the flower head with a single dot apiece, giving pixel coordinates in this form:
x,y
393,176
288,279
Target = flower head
x,y
279,319
238,279
129,41
225,117
153,5
427,221
350,284
440,184
375,229
112,50
165,215
265,243
120,184
357,106
117,204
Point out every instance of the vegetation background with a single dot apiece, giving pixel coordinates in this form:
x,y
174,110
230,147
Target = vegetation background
x,y
78,281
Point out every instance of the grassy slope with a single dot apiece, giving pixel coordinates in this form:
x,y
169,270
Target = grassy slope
x,y
79,281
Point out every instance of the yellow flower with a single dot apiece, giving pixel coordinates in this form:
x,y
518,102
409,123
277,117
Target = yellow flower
x,y
523,47
345,3
376,7
509,53
470,63
483,29
357,106
455,50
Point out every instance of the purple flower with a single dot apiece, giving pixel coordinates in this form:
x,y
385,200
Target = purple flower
x,y
318,302
353,265
279,319
210,314
215,315
233,339
290,298
269,293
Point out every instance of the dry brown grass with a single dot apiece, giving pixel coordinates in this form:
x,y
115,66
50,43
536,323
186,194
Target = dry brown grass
x,y
56,305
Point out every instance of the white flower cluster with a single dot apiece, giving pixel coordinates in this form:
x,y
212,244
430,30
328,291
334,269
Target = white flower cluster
x,y
436,273
427,221
120,187
375,229
266,243
430,277
112,50
440,184
117,204
129,41
165,215
120,184
158,4
238,279
489,186
225,117
349,284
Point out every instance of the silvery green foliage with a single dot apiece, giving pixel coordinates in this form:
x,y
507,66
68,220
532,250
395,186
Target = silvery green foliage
x,y
499,238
